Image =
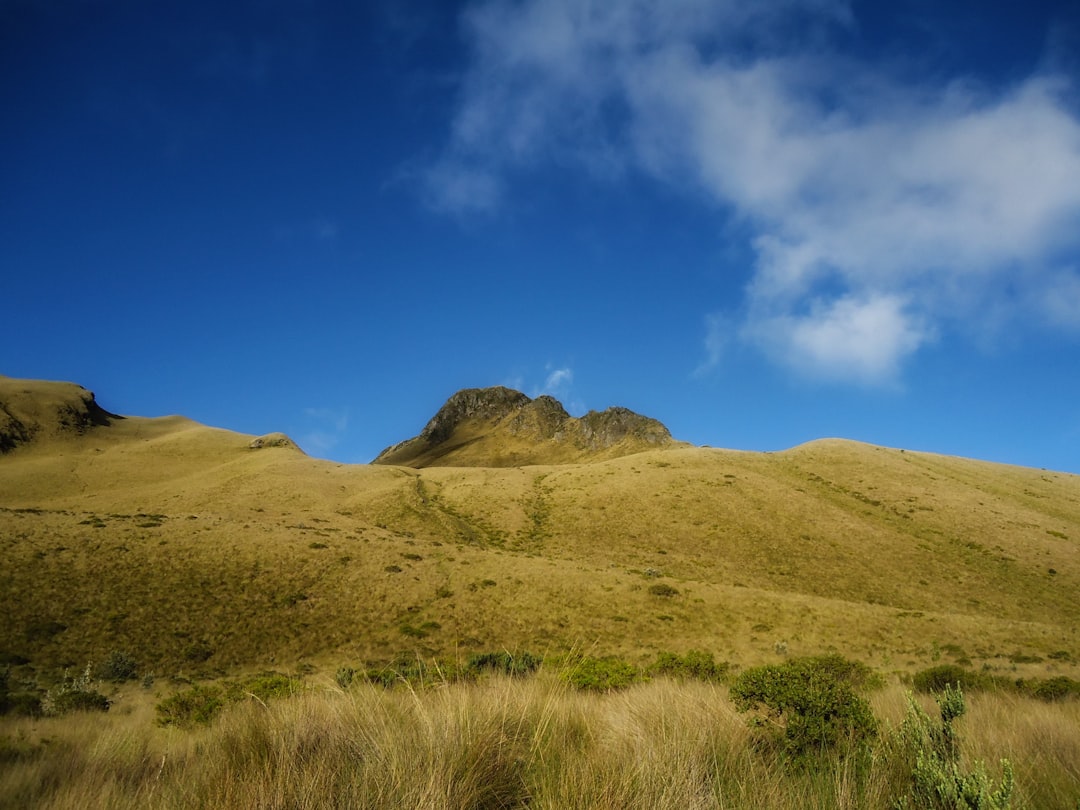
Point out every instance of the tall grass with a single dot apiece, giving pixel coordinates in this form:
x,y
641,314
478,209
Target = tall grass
x,y
499,743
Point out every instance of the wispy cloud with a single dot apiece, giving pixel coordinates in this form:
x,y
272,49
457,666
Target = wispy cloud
x,y
882,211
324,429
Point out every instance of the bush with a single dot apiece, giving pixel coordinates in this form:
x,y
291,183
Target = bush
x,y
117,668
695,664
601,674
194,706
936,679
519,663
413,671
1053,689
263,687
201,704
810,703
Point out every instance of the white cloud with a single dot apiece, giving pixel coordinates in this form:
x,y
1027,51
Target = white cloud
x,y
881,210
717,331
558,380
324,429
856,340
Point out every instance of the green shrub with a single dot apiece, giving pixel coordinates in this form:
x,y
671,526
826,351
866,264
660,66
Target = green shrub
x,y
117,668
936,679
695,664
810,704
1053,689
413,670
938,781
601,674
345,676
24,704
194,706
508,663
263,687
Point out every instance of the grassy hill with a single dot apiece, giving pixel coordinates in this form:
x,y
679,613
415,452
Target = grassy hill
x,y
189,549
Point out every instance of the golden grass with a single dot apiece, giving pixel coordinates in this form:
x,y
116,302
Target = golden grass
x,y
498,743
160,536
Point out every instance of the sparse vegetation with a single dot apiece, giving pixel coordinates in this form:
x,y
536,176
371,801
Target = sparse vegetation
x,y
663,590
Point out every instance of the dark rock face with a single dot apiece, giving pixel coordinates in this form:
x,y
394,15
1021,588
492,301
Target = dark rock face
x,y
606,428
472,403
540,430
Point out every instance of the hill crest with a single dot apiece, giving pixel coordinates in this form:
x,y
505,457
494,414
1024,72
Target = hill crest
x,y
34,410
501,427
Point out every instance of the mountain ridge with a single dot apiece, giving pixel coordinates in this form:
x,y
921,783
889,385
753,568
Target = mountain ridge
x,y
501,427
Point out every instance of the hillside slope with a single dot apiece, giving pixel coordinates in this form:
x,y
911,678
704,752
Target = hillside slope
x,y
185,547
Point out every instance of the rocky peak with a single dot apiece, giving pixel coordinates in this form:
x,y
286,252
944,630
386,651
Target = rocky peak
x,y
502,427
472,403
609,427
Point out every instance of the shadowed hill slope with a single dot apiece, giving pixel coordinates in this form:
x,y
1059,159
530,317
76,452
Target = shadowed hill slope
x,y
500,427
186,548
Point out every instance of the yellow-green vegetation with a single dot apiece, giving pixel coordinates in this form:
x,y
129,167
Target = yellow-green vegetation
x,y
156,556
508,742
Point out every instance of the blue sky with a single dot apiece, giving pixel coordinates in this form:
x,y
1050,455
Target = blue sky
x,y
761,223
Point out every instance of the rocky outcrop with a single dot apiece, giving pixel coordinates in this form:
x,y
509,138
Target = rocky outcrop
x,y
500,427
273,440
472,403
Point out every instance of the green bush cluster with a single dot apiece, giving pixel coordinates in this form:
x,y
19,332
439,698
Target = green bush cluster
x,y
195,706
200,704
412,670
117,668
601,674
505,662
695,664
808,705
937,679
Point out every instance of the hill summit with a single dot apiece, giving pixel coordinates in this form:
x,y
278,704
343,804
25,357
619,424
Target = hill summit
x,y
501,427
34,410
